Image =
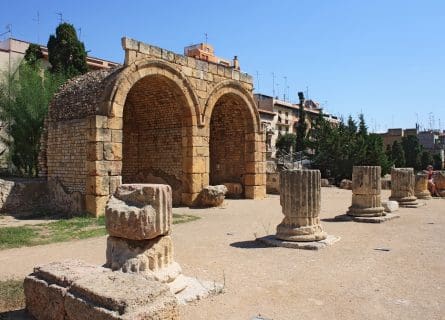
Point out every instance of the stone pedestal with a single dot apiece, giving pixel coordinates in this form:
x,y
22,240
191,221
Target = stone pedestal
x,y
138,220
75,290
300,201
366,189
402,187
421,186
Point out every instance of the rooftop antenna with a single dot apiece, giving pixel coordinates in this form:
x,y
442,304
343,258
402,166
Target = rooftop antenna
x,y
60,16
8,30
37,19
257,80
307,92
273,84
80,32
285,88
206,36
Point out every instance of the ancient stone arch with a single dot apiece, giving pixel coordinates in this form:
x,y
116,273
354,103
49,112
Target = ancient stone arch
x,y
160,118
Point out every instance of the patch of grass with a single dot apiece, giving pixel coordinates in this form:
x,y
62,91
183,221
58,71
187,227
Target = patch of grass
x,y
183,218
12,296
58,231
62,230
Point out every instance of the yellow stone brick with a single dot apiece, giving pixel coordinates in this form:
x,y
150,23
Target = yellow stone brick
x,y
115,123
98,185
95,151
95,205
255,192
112,151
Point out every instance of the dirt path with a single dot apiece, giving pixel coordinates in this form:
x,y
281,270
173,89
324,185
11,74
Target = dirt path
x,y
349,280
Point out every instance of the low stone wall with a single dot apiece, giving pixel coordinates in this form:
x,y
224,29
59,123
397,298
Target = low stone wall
x,y
22,197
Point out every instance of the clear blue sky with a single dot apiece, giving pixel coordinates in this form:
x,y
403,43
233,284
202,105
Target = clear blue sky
x,y
385,58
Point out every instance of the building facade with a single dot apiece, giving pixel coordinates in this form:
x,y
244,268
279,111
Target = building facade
x,y
279,117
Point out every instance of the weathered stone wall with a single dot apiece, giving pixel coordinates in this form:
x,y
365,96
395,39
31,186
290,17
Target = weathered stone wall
x,y
66,153
163,105
22,197
227,142
152,135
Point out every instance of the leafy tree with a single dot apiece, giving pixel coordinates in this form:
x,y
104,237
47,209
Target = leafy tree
x,y
413,150
398,155
23,106
426,159
33,55
66,53
285,143
375,153
352,126
362,128
302,125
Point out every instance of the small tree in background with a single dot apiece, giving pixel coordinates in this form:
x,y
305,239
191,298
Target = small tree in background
x,y
426,159
398,155
413,150
23,107
66,53
302,127
33,55
285,143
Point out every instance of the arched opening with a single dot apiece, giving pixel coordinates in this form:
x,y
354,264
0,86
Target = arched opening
x,y
229,125
154,124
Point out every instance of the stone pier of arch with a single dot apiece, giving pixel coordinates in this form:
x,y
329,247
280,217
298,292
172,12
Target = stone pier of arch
x,y
161,118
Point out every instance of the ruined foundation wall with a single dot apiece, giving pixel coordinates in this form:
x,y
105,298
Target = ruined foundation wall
x,y
66,163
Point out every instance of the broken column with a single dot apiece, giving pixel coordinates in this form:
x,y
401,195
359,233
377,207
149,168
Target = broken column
x,y
366,189
421,186
300,201
138,220
402,187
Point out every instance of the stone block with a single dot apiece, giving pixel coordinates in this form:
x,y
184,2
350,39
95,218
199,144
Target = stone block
x,y
115,123
99,134
95,205
152,257
45,289
390,206
112,151
255,192
212,196
95,151
116,136
136,222
324,182
98,185
234,190
254,179
117,295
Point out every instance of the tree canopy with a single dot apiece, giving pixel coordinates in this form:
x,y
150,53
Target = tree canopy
x,y
66,53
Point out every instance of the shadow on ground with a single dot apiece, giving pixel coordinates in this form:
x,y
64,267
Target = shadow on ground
x,y
250,244
15,315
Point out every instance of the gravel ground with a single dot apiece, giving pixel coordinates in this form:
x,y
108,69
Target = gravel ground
x,y
348,280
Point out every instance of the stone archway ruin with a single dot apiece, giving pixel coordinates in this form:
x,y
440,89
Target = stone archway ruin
x,y
151,120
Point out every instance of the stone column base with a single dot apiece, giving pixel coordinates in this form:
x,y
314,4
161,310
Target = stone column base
x,y
153,257
409,201
366,212
426,195
306,233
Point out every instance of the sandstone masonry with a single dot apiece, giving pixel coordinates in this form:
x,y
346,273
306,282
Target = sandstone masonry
x,y
160,118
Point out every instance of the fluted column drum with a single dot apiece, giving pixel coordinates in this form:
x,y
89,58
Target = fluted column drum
x,y
366,189
402,186
421,186
300,201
